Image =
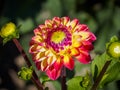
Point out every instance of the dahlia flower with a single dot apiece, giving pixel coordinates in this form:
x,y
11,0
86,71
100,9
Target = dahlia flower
x,y
58,42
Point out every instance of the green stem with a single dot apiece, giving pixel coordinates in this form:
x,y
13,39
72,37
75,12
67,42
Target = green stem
x,y
34,78
63,79
98,79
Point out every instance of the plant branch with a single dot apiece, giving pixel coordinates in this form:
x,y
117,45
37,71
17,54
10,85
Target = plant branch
x,y
98,79
63,79
34,78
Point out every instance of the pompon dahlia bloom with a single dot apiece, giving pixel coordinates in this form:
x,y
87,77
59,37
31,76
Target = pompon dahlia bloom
x,y
57,42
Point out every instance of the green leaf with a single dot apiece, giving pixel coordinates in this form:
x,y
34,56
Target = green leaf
x,y
97,64
44,78
26,25
75,83
111,74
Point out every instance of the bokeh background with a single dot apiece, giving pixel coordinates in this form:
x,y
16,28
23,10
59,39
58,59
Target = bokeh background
x,y
102,17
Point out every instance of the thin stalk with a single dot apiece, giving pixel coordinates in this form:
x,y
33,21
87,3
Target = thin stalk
x,y
34,78
63,79
97,81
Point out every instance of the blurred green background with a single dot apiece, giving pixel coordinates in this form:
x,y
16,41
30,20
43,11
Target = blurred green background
x,y
102,17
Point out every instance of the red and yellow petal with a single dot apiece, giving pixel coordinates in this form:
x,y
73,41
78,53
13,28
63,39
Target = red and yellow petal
x,y
84,57
65,20
82,27
37,39
44,65
58,63
37,31
34,48
68,62
48,23
76,40
73,23
57,21
74,52
53,73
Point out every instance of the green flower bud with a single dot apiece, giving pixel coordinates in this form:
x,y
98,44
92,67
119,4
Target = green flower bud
x,y
8,32
86,81
114,49
25,73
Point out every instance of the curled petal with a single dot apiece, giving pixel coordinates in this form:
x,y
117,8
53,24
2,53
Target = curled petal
x,y
58,64
34,48
38,56
76,40
74,52
37,31
87,45
92,37
82,27
38,65
51,60
84,57
48,23
68,62
57,20
65,20
53,73
44,65
73,23
37,39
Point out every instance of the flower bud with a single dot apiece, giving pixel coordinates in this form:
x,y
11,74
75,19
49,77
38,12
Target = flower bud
x,y
25,73
113,47
8,32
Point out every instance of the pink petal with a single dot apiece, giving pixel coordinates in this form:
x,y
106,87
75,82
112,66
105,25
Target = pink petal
x,y
58,64
83,27
34,48
68,62
92,37
37,31
38,65
48,23
84,58
87,45
53,73
65,20
75,51
56,20
73,23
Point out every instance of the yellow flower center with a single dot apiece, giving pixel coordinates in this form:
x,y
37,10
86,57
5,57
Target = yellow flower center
x,y
58,36
8,29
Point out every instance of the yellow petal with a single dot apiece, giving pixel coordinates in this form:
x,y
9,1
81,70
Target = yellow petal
x,y
48,23
44,65
73,23
74,51
65,20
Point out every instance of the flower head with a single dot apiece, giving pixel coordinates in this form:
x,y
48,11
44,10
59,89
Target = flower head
x,y
8,32
57,42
